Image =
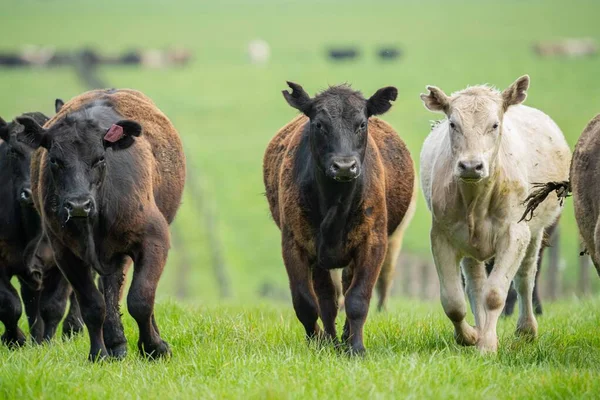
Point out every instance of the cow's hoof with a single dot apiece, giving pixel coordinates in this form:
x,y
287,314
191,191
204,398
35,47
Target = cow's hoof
x,y
357,351
488,344
98,355
118,352
467,336
16,340
155,351
527,329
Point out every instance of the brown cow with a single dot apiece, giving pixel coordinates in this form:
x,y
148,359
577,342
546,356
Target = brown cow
x,y
338,184
108,179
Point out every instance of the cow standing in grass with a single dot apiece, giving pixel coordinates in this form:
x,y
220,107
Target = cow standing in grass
x,y
108,179
477,167
338,184
45,297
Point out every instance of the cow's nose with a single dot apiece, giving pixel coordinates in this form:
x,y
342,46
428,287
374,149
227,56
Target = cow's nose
x,y
344,169
26,196
471,169
79,208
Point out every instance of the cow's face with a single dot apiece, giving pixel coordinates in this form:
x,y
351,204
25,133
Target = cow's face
x,y
474,124
18,157
338,128
76,159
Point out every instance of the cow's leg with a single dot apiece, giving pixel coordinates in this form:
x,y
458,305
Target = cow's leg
x,y
386,276
475,274
537,302
10,312
510,250
73,324
148,267
114,336
328,302
91,302
524,282
31,300
303,295
54,301
347,276
452,293
367,265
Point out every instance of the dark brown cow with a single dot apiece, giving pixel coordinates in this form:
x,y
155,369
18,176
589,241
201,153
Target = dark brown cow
x,y
108,179
338,184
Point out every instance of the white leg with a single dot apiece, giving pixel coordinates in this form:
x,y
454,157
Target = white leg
x,y
510,251
524,282
451,291
475,278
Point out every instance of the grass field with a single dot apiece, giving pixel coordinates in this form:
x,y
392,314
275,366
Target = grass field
x,y
227,111
260,352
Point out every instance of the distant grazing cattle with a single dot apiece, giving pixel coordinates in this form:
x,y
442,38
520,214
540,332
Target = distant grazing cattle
x,y
20,230
259,52
339,183
571,48
108,179
477,167
389,53
343,53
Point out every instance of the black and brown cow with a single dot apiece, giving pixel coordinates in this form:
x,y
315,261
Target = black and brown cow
x,y
108,179
339,183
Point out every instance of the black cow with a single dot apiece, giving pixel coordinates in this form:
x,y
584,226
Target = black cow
x,y
20,230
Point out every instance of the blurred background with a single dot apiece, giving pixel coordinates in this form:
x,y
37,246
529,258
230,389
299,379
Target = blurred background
x,y
217,68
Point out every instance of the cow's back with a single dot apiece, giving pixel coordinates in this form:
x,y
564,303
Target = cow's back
x,y
168,164
399,171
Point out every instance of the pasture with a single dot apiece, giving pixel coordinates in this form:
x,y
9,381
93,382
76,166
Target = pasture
x,y
226,111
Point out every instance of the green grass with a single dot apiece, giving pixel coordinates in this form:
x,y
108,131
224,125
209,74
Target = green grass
x,y
259,351
227,111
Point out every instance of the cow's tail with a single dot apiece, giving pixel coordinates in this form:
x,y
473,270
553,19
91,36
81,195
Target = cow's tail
x,y
542,190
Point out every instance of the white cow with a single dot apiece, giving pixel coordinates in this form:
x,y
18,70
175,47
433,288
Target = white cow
x,y
477,167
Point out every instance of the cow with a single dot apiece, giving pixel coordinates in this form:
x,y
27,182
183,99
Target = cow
x,y
477,167
338,182
107,178
44,297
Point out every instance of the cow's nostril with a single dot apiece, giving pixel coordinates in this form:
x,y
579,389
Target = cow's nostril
x,y
462,166
336,166
479,167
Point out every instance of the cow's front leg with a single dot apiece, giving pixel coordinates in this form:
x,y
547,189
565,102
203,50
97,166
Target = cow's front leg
x,y
328,301
510,251
366,268
524,284
299,274
475,277
452,294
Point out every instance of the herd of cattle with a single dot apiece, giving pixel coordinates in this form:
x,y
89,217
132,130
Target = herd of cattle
x,y
93,190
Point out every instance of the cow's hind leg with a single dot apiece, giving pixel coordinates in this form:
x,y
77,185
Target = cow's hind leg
x,y
148,267
386,276
114,336
452,293
525,282
328,301
303,295
31,300
73,324
10,312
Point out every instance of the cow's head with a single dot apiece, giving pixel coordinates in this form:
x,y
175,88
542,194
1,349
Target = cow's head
x,y
77,145
18,157
474,124
339,119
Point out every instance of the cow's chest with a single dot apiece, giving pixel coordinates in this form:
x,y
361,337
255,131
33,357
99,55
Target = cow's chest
x,y
477,241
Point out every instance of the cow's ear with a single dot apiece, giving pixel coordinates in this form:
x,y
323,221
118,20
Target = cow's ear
x,y
58,105
379,103
516,93
4,132
122,135
298,99
33,134
436,100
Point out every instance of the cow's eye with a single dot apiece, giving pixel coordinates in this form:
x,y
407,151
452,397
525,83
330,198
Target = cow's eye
x,y
363,125
452,125
54,161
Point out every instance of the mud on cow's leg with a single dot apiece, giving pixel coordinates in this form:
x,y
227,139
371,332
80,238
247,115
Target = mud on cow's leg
x,y
114,336
303,294
327,300
148,267
10,312
510,251
452,294
524,283
367,265
91,302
